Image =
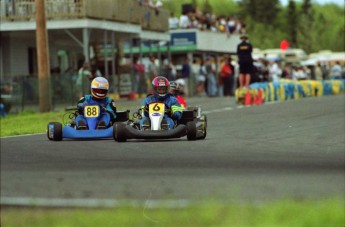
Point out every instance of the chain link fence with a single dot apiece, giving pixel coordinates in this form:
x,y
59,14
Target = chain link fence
x,y
20,94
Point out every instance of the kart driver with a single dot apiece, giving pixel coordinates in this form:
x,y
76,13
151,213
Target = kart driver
x,y
175,90
98,96
161,93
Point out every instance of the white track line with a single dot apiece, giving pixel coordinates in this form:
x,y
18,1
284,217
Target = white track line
x,y
22,135
91,203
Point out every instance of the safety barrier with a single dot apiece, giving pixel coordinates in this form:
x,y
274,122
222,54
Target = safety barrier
x,y
283,90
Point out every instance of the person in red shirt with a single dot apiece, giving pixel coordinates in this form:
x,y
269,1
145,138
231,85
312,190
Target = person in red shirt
x,y
176,91
226,76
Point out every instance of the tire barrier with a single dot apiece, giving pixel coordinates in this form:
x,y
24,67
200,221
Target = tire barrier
x,y
258,93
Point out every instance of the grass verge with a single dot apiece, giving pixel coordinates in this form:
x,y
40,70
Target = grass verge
x,y
323,213
28,123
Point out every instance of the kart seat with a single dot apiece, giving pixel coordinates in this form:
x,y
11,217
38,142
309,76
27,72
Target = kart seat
x,y
122,116
187,115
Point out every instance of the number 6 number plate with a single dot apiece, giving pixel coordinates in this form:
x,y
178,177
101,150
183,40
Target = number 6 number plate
x,y
91,111
157,108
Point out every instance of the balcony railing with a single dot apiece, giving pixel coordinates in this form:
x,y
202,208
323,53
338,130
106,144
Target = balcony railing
x,y
127,11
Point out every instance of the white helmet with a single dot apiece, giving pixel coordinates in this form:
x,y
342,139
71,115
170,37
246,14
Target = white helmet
x,y
99,87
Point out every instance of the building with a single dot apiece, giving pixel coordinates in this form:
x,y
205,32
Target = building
x,y
96,32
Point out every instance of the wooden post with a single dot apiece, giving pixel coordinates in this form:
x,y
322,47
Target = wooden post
x,y
42,57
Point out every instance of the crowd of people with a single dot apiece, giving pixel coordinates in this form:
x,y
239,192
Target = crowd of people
x,y
207,22
275,70
198,19
214,77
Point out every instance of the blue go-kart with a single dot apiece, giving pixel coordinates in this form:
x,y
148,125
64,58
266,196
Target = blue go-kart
x,y
57,131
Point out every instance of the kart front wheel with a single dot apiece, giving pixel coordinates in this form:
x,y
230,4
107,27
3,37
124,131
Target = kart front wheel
x,y
191,130
54,131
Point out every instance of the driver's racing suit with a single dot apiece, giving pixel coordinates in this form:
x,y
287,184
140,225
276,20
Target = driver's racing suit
x,y
170,101
107,109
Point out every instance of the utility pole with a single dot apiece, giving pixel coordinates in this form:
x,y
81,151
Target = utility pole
x,y
42,57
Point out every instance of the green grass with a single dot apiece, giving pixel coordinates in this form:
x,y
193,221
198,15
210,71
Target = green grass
x,y
31,122
323,213
28,123
286,213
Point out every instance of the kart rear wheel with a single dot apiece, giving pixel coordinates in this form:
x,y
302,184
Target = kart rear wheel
x,y
54,131
204,119
119,132
191,130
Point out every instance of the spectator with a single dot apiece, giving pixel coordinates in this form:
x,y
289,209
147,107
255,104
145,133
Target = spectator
x,y
300,74
240,27
231,25
139,79
201,78
167,70
222,25
185,75
83,80
318,72
245,60
173,21
152,68
184,21
194,23
259,65
274,71
175,91
286,72
212,87
95,72
325,71
336,71
226,76
294,72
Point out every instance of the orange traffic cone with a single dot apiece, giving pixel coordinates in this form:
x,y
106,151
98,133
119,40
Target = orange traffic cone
x,y
255,99
132,95
260,100
248,99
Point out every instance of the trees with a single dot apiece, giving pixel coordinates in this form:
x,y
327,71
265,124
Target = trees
x,y
291,25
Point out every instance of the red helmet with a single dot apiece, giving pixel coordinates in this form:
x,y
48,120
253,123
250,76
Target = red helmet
x,y
160,86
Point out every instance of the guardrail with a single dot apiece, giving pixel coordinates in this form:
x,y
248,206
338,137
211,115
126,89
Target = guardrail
x,y
127,11
259,93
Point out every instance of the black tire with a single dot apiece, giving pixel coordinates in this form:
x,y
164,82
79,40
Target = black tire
x,y
114,131
119,133
205,131
54,131
191,130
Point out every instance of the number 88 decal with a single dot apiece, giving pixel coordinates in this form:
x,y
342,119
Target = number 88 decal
x,y
91,111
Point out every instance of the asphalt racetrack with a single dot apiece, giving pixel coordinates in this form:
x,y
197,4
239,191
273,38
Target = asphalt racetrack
x,y
293,149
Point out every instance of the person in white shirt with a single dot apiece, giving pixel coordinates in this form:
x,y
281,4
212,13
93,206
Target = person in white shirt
x,y
301,74
274,71
336,71
173,21
184,21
